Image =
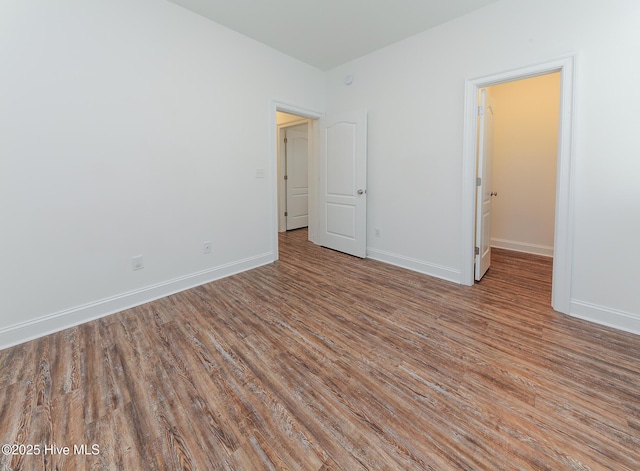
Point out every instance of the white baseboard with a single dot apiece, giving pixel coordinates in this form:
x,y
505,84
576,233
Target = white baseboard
x,y
413,264
45,325
535,249
606,316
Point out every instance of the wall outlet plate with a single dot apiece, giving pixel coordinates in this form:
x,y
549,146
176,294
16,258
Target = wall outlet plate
x,y
206,247
137,262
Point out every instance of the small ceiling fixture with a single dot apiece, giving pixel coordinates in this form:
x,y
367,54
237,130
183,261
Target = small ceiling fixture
x,y
348,80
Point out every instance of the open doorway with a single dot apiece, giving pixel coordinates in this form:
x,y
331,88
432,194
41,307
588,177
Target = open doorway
x,y
287,115
337,179
563,227
517,162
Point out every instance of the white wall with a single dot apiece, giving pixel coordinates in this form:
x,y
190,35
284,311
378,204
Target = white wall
x,y
525,151
414,91
286,118
130,127
125,126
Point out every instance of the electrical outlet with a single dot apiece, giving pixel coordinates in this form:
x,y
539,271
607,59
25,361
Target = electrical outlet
x,y
206,247
137,262
377,232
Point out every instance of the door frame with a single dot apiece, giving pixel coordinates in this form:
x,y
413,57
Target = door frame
x,y
314,116
563,235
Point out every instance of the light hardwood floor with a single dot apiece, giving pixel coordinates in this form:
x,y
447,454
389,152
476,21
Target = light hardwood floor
x,y
322,361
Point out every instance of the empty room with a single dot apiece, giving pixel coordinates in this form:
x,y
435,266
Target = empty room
x,y
268,235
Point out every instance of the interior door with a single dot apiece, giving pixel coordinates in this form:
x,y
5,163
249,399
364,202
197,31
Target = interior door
x,y
484,188
342,194
296,176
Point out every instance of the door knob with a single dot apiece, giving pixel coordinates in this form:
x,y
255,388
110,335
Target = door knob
x,y
362,192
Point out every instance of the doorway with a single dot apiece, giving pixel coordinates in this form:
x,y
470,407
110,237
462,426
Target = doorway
x,y
337,171
517,167
283,114
562,261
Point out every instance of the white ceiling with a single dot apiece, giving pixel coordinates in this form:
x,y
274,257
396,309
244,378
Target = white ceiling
x,y
327,33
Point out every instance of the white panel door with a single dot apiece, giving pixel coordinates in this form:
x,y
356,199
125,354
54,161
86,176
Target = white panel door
x,y
342,195
484,189
297,176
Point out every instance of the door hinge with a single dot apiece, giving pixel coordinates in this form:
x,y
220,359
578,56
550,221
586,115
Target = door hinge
x,y
286,177
480,110
286,213
285,139
478,181
477,251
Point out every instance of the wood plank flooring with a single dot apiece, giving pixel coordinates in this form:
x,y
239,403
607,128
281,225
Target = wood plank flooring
x,y
322,361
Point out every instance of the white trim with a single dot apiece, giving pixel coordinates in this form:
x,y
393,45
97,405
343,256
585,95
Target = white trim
x,y
275,106
563,240
431,269
606,316
45,325
535,249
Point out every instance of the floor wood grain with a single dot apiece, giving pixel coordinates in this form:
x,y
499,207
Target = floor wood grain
x,y
322,361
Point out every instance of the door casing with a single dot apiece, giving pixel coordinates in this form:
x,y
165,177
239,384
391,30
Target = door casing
x,y
313,115
563,237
